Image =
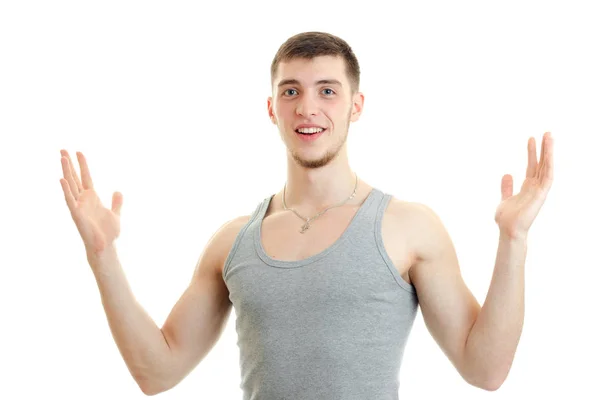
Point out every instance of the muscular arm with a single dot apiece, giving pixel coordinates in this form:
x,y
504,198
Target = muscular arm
x,y
159,358
493,340
480,341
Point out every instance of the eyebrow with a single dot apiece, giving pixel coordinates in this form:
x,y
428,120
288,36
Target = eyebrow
x,y
319,82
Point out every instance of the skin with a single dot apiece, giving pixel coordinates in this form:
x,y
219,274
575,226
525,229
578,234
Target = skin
x,y
318,173
480,341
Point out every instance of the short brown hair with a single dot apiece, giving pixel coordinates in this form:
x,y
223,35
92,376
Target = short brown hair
x,y
309,45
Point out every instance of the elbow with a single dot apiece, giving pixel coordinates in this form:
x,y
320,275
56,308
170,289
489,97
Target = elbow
x,y
489,377
150,389
490,384
153,378
150,386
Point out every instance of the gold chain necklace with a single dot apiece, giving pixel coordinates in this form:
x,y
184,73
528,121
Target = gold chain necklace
x,y
308,220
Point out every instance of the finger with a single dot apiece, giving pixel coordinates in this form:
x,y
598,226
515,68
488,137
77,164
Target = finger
x,y
117,202
85,172
543,161
549,163
531,158
71,203
506,187
75,176
68,175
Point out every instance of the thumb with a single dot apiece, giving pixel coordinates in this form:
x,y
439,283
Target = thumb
x,y
506,187
117,202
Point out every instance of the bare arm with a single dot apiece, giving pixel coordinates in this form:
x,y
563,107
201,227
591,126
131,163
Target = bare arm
x,y
493,339
197,320
138,338
159,358
479,341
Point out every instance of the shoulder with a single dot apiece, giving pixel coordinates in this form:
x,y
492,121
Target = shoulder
x,y
225,236
414,211
220,243
422,226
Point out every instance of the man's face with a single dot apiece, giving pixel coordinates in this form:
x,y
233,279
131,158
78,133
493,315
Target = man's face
x,y
313,93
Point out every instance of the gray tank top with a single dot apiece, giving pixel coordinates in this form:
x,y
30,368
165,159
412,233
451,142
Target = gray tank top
x,y
330,326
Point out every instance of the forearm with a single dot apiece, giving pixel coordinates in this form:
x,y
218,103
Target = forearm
x,y
139,340
492,342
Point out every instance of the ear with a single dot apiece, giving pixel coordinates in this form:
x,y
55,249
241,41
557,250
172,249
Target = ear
x,y
358,101
270,109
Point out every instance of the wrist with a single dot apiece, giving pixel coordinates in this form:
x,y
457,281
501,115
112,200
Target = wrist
x,y
513,236
101,260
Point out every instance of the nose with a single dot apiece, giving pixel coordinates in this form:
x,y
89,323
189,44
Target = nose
x,y
306,106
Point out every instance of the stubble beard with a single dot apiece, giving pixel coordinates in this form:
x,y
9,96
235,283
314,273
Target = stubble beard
x,y
330,155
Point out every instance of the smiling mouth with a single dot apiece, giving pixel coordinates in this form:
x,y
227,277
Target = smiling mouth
x,y
311,132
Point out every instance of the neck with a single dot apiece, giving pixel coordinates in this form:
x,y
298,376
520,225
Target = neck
x,y
312,190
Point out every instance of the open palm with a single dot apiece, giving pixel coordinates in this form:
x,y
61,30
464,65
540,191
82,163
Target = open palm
x,y
516,214
97,225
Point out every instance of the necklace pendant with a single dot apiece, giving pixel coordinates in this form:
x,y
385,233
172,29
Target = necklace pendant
x,y
305,227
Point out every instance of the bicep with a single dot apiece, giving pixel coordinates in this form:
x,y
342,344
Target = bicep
x,y
448,307
198,319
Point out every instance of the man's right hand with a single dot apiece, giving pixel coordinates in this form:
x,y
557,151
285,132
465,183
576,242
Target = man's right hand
x,y
97,225
158,358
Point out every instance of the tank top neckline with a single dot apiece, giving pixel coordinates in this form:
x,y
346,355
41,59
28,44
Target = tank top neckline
x,y
315,257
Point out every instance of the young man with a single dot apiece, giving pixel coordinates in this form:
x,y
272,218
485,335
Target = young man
x,y
326,275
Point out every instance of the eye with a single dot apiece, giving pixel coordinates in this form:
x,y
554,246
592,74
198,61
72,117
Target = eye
x,y
331,90
287,90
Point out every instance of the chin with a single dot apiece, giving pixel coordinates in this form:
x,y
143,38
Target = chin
x,y
313,163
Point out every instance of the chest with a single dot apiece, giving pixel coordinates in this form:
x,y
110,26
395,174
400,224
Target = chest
x,y
281,237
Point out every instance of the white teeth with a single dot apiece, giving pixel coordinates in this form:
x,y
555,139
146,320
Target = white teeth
x,y
310,130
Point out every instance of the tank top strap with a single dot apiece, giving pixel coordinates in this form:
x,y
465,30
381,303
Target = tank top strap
x,y
263,207
380,207
373,209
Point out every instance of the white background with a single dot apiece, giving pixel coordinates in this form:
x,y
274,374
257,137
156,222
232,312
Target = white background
x,y
168,101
